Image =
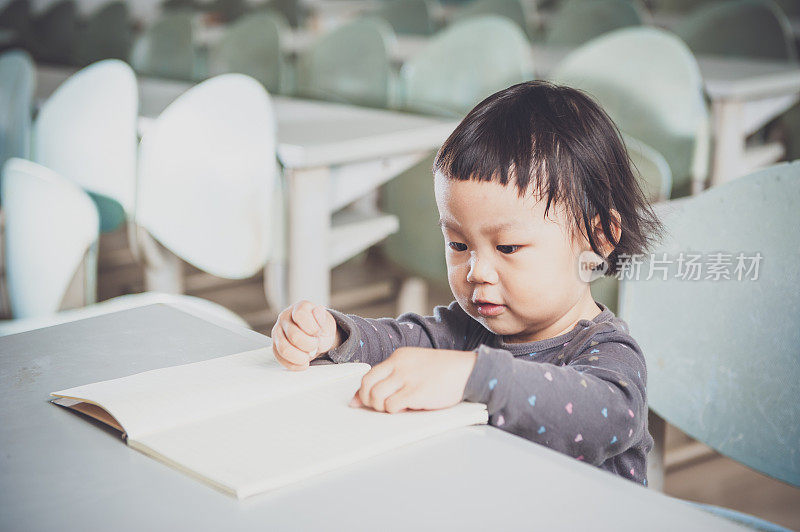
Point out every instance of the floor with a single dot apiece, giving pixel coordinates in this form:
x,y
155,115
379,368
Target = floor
x,y
368,286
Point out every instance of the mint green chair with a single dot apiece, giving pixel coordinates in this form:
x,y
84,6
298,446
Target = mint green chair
x,y
648,81
511,9
579,21
721,352
408,17
17,87
166,49
461,66
744,28
252,46
350,64
107,34
54,33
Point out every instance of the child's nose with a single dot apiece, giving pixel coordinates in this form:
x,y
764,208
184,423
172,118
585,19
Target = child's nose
x,y
481,270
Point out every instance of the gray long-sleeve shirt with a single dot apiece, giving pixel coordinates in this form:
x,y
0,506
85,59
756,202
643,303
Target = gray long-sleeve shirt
x,y
581,393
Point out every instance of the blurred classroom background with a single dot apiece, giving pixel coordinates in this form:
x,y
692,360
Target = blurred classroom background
x,y
138,169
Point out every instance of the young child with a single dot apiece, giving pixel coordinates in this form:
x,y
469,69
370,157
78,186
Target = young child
x,y
533,176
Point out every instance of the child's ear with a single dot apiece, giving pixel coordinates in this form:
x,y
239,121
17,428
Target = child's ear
x,y
605,244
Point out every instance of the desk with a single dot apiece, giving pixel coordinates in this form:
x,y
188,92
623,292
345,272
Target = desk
x,y
62,472
332,154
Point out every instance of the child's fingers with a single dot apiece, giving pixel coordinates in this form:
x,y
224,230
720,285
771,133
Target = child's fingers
x,y
285,363
287,351
355,402
303,317
299,338
383,389
327,335
398,401
371,378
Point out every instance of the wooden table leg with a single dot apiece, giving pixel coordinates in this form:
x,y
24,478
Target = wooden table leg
x,y
309,224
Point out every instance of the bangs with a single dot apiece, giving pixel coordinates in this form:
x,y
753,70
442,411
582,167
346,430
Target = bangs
x,y
556,144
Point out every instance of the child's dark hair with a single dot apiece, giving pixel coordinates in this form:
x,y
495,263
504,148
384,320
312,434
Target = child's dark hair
x,y
558,142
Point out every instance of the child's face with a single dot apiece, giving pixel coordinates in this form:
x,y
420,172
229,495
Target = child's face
x,y
510,268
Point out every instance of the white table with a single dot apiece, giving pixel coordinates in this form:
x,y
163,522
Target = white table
x,y
62,471
332,155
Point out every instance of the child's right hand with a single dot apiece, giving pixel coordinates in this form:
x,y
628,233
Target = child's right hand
x,y
303,332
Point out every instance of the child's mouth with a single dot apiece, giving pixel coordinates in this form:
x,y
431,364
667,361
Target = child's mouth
x,y
489,309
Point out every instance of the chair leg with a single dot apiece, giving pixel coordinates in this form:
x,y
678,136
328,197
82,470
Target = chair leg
x,y
163,270
655,460
413,297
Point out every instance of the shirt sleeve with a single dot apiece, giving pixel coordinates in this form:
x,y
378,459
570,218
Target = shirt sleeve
x,y
592,408
374,340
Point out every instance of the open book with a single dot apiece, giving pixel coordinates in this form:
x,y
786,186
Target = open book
x,y
246,425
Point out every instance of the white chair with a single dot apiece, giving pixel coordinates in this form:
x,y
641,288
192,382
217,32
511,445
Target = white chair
x,y
648,81
86,131
52,231
207,173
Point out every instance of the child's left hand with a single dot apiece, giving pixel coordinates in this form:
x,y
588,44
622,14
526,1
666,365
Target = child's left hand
x,y
416,378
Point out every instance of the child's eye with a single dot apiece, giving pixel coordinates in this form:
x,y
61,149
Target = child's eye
x,y
507,249
457,246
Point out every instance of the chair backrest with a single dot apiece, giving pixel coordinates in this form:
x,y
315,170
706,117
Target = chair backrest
x,y
579,21
351,64
51,224
408,17
166,48
648,81
252,46
465,63
54,33
651,168
17,86
750,28
86,132
511,9
206,172
107,34
722,353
